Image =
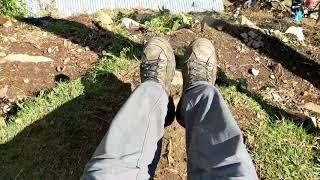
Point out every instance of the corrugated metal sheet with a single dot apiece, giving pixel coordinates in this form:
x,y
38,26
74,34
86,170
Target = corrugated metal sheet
x,y
70,7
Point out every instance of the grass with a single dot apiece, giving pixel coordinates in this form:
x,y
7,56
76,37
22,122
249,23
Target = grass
x,y
161,22
280,149
13,8
283,150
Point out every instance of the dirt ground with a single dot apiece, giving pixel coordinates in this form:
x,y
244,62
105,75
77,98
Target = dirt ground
x,y
296,71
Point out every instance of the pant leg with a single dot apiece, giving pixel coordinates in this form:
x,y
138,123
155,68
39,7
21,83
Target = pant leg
x,y
129,146
215,147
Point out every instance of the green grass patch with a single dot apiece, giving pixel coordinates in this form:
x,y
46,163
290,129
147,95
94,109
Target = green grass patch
x,y
283,150
236,98
13,8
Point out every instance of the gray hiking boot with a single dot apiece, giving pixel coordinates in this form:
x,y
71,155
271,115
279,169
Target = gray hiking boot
x,y
158,63
201,64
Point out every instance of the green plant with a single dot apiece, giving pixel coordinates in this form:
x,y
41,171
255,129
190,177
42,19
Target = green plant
x,y
163,22
13,8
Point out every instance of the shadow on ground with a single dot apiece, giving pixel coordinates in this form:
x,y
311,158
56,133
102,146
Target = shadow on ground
x,y
58,145
287,56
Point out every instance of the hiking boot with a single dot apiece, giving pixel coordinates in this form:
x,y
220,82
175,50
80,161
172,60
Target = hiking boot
x,y
158,63
201,63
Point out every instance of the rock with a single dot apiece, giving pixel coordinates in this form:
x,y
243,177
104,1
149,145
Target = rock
x,y
252,34
257,59
254,71
219,28
304,93
297,31
3,91
104,20
18,121
285,39
60,68
312,107
244,35
276,97
246,22
314,121
7,24
79,50
2,54
131,24
26,81
45,34
257,44
25,58
272,76
227,3
87,48
66,61
50,50
66,43
6,108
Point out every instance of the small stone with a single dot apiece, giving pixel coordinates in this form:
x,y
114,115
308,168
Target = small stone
x,y
87,48
7,24
219,28
285,40
272,76
18,121
256,44
26,81
312,107
24,58
66,43
66,61
254,72
60,68
2,54
304,93
314,121
238,48
276,97
244,35
257,59
246,22
252,34
79,50
45,34
6,108
50,50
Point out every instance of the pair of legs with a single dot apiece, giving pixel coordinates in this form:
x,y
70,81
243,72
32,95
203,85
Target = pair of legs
x,y
215,148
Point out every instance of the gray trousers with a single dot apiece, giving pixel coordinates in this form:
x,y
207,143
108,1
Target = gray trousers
x,y
215,148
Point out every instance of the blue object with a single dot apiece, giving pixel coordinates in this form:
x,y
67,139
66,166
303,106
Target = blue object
x,y
299,15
